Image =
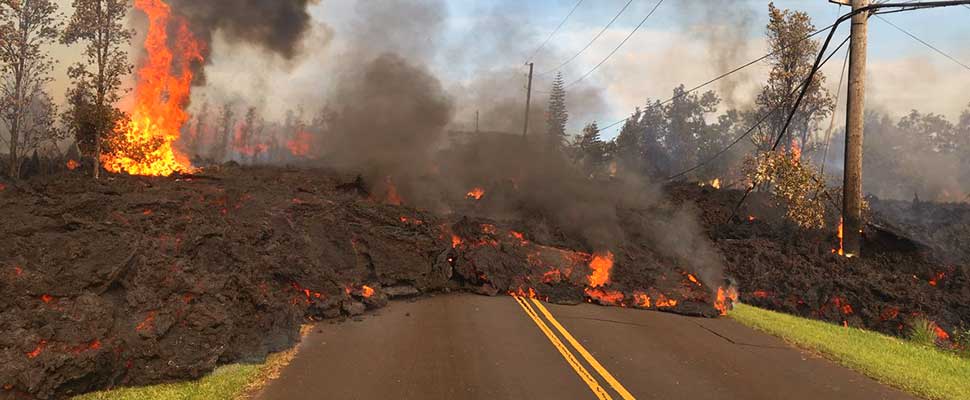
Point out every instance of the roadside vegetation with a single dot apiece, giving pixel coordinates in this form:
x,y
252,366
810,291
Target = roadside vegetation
x,y
915,366
229,382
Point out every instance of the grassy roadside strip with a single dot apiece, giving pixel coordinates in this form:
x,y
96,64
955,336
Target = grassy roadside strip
x,y
917,369
228,382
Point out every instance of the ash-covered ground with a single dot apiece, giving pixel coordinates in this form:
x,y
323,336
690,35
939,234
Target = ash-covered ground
x,y
133,281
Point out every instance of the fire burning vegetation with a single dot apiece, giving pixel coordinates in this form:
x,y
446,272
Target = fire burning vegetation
x,y
168,269
147,145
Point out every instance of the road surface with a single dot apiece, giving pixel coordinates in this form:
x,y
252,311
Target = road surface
x,y
476,347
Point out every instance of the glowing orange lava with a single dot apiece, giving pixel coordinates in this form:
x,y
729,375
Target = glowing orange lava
x,y
664,302
72,165
940,333
476,193
147,145
605,296
841,250
392,197
642,299
37,350
601,265
455,241
725,299
367,291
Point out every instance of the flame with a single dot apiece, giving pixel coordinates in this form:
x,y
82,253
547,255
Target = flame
x,y
600,266
751,218
392,197
489,229
605,296
300,144
723,296
937,278
455,241
367,291
47,299
37,350
940,333
664,302
642,299
532,294
841,251
476,193
72,165
693,279
147,145
519,236
716,183
761,294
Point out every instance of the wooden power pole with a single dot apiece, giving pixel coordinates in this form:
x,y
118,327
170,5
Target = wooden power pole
x,y
528,102
854,123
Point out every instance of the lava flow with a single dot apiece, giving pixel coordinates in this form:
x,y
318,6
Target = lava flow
x,y
147,145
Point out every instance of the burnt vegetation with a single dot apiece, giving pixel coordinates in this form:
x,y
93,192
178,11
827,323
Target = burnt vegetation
x,y
380,193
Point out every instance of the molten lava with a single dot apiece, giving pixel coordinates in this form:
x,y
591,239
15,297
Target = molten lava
x,y
37,350
642,299
601,264
367,291
146,147
391,196
72,165
605,296
476,193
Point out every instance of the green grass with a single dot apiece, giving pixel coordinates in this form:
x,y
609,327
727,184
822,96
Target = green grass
x,y
229,382
921,370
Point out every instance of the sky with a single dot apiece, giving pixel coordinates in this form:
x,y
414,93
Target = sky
x,y
683,42
903,74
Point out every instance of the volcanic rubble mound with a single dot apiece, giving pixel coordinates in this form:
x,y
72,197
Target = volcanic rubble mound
x,y
798,271
133,281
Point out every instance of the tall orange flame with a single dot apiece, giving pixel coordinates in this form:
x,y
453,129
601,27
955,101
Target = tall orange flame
x,y
601,265
147,146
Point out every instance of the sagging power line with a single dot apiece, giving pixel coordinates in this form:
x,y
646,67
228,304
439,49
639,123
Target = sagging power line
x,y
588,45
554,32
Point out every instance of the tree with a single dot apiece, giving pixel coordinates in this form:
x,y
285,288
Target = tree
x,y
26,28
100,23
791,61
220,151
591,150
557,116
198,134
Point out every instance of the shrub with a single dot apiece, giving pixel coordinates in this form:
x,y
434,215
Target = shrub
x,y
922,331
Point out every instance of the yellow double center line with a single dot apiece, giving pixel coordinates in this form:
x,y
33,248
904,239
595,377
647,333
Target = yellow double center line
x,y
583,373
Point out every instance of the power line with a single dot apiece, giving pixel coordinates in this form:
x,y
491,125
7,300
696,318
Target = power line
x,y
643,21
828,134
802,87
595,38
535,53
729,73
934,48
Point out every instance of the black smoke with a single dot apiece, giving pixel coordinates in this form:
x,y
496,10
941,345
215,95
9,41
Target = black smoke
x,y
276,25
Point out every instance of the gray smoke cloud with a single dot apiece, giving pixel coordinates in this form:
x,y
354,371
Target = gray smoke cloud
x,y
725,33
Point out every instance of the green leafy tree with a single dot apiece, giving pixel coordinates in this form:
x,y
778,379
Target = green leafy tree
x,y
791,62
592,150
27,28
557,116
101,25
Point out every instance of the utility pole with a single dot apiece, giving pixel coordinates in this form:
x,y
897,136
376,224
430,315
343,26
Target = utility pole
x,y
854,123
528,102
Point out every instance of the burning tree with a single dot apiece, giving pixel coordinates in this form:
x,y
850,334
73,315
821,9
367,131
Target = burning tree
x,y
100,23
26,27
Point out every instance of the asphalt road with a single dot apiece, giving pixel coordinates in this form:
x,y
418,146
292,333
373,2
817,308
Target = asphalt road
x,y
475,347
